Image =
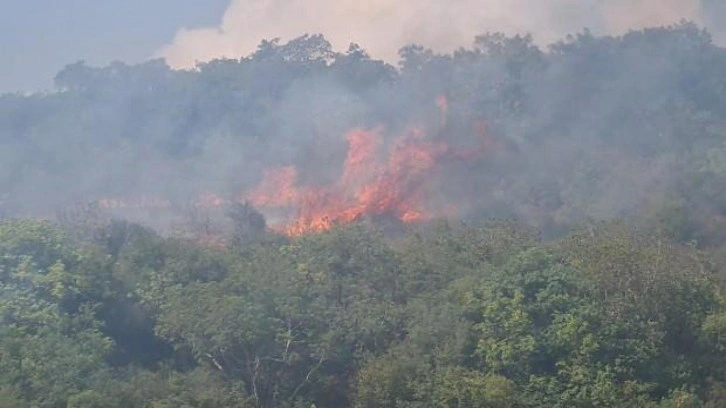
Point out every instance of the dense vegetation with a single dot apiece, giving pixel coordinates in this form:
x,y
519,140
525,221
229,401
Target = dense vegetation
x,y
604,287
454,317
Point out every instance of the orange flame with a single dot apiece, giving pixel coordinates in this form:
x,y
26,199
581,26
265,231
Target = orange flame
x,y
366,186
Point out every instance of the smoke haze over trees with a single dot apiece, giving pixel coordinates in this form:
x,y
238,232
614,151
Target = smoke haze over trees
x,y
606,154
591,127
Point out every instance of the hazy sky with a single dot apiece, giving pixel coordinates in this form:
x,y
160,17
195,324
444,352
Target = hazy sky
x,y
39,37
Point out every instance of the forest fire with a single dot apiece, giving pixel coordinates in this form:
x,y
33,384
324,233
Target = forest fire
x,y
375,181
379,178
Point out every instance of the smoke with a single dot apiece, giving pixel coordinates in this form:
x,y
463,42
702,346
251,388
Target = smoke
x,y
597,128
383,26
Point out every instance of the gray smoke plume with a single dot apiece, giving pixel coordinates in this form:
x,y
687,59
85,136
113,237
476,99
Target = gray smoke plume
x,y
382,26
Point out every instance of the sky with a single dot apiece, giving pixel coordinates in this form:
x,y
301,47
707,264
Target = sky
x,y
39,37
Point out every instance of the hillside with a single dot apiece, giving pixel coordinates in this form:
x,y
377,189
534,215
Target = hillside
x,y
504,226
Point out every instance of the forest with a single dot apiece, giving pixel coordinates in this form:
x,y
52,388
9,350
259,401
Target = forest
x,y
508,225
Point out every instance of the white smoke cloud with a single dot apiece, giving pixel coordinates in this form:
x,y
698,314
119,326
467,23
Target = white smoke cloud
x,y
383,26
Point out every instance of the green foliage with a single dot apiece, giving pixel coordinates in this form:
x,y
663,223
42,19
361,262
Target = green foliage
x,y
45,354
488,316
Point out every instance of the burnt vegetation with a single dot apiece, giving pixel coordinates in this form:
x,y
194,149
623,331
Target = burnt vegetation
x,y
581,265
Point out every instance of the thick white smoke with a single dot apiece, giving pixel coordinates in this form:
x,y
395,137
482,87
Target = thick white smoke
x,y
383,26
